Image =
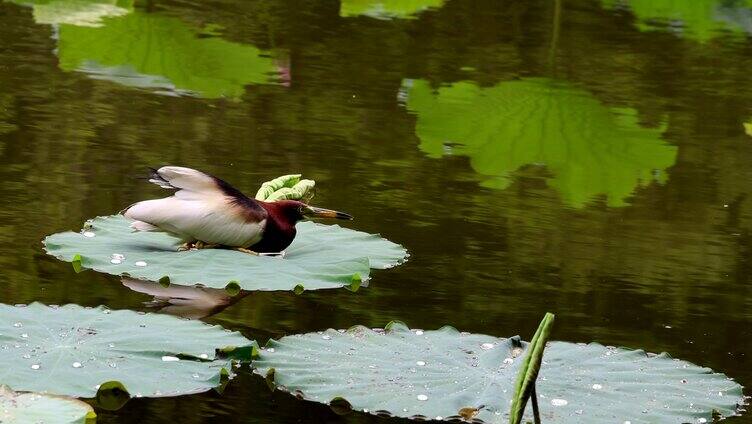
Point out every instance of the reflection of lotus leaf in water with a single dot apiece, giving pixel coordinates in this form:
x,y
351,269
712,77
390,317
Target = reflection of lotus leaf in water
x,y
698,19
386,8
77,12
148,50
590,149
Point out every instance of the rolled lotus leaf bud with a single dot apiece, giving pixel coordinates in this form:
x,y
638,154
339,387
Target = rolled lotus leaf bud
x,y
302,191
268,188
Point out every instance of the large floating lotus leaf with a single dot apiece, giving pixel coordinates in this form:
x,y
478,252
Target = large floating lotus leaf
x,y
71,350
17,408
149,50
697,19
77,12
322,256
444,373
386,8
590,149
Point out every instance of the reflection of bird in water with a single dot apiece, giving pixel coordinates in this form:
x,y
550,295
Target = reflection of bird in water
x,y
208,212
188,302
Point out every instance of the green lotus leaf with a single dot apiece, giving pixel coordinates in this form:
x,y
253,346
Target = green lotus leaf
x,y
269,187
320,257
17,408
153,51
72,350
590,149
445,374
386,8
701,20
289,187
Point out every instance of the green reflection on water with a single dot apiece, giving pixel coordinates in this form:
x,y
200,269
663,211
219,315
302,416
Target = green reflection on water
x,y
112,41
386,8
162,46
589,148
76,12
697,19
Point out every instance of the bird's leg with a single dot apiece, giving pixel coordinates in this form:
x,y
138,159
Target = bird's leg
x,y
244,250
203,245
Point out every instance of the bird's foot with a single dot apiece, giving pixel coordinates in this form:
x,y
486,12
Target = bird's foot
x,y
185,246
244,250
193,245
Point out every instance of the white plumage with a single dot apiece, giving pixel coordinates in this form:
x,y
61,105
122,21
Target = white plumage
x,y
199,210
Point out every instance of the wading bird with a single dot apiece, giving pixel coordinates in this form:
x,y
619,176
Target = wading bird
x,y
206,212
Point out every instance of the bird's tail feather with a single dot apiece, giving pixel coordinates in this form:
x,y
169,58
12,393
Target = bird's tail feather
x,y
157,179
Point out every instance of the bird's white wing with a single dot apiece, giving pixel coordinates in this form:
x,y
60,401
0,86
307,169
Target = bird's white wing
x,y
201,209
191,181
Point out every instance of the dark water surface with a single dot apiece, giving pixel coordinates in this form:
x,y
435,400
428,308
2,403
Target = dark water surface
x,y
581,157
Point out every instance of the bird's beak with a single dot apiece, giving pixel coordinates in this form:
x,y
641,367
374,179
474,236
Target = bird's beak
x,y
314,212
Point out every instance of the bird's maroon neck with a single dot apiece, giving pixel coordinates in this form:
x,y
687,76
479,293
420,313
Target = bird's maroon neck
x,y
280,227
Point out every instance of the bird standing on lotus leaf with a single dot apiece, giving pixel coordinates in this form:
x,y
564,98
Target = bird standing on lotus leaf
x,y
207,212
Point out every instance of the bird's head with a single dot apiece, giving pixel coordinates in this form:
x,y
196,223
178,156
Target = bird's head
x,y
296,211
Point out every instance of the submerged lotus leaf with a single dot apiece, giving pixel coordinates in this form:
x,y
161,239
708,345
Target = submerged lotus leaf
x,y
445,374
149,50
386,8
71,350
590,149
16,408
320,257
701,20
